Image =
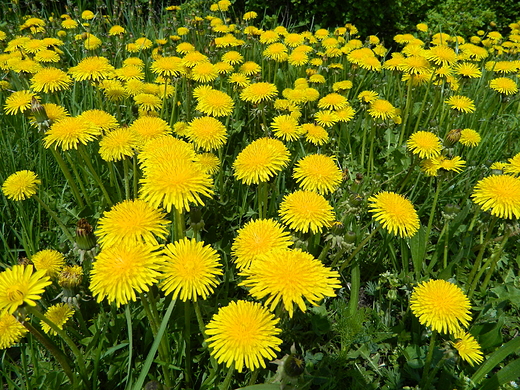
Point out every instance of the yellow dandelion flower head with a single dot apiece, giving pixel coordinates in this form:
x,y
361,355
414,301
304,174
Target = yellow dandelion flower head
x,y
368,96
382,109
21,185
499,194
148,102
215,103
87,15
207,133
161,149
290,277
69,132
326,118
430,167
239,79
47,56
69,24
116,30
276,51
129,72
469,137
423,27
286,127
306,211
256,238
395,213
424,143
441,305
223,68
260,160
504,85
209,162
49,260
513,166
149,127
58,314
455,164
346,114
332,101
414,65
70,276
175,184
50,80
92,68
193,58
204,72
344,85
54,112
250,15
183,31
317,79
19,102
11,331
441,55
468,348
315,134
244,334
233,57
269,36
19,285
101,119
317,172
92,42
130,222
298,58
113,89
461,103
190,270
259,92
121,270
250,68
468,69
118,144
168,66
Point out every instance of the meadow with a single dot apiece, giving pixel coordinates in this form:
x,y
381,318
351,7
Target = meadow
x,y
194,198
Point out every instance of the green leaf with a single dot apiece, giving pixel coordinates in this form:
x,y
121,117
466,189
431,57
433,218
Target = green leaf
x,y
264,386
507,374
496,358
418,249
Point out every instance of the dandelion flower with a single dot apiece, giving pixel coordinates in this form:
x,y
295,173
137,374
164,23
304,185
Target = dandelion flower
x,y
69,132
469,137
368,96
99,118
442,55
175,184
130,222
49,260
11,331
204,72
260,160
209,162
19,102
118,144
148,101
315,134
513,165
286,127
168,66
290,276
327,118
276,51
207,133
317,172
468,69
70,276
21,185
461,103
50,80
19,285
259,92
500,194
332,101
58,314
244,334
468,348
148,127
250,68
455,164
306,210
215,103
382,109
424,143
504,85
190,270
116,30
121,270
239,79
92,68
257,238
395,213
441,305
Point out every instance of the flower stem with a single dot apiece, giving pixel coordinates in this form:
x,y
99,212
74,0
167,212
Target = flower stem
x,y
493,260
55,217
126,172
227,381
356,250
187,340
429,359
95,176
355,285
68,177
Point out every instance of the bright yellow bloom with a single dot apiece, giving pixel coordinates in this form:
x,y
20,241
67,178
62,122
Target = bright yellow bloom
x,y
11,331
49,260
317,172
499,194
469,137
59,314
244,334
424,143
468,348
69,132
441,305
21,185
395,213
207,133
305,211
190,270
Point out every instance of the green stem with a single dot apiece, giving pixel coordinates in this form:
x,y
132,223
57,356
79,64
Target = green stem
x,y
95,176
77,353
56,219
432,214
492,262
472,281
356,250
429,359
134,176
262,195
187,340
126,174
200,321
179,225
68,177
355,285
227,381
446,243
406,113
254,376
53,349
